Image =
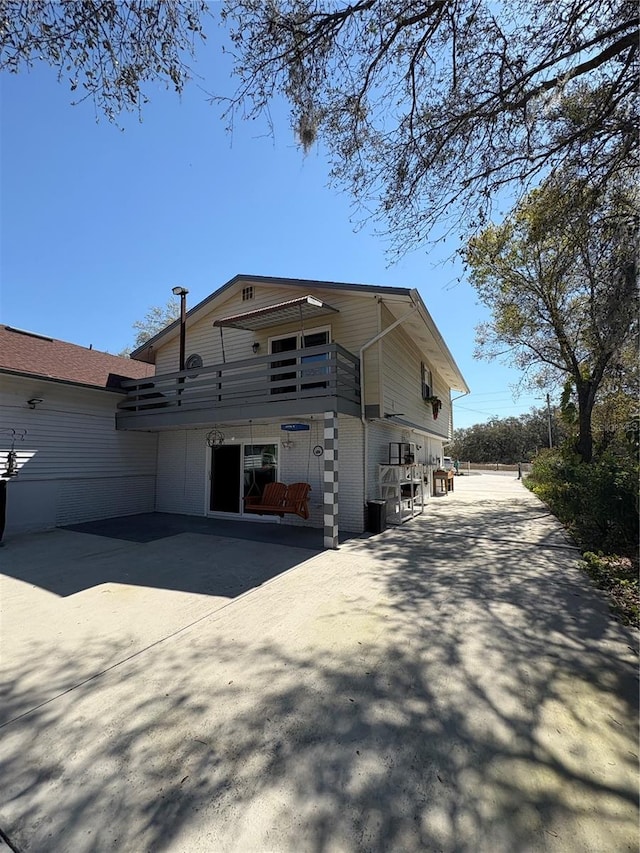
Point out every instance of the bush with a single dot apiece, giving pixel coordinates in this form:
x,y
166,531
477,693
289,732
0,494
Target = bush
x,y
597,501
619,578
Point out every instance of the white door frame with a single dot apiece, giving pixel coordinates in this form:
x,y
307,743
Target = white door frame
x,y
241,515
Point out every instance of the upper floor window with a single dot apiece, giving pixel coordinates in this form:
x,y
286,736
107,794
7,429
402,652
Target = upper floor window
x,y
311,371
427,381
247,293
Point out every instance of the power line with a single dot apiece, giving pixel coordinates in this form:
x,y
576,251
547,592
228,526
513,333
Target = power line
x,y
491,393
495,409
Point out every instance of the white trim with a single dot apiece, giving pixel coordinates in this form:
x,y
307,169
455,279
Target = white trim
x,y
243,516
298,336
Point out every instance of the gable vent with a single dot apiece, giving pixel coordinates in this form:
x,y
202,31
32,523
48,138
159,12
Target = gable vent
x,y
247,293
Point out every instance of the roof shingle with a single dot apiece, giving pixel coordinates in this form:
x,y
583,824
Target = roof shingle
x,y
37,355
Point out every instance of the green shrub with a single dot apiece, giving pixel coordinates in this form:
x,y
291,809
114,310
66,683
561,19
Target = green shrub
x,y
597,501
619,578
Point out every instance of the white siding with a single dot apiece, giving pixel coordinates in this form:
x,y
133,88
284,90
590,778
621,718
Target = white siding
x,y
380,435
402,388
351,514
74,465
355,323
184,468
182,472
392,379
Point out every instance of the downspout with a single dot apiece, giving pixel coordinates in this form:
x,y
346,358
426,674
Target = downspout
x,y
452,401
374,340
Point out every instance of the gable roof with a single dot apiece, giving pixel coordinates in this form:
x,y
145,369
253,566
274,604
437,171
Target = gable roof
x,y
143,351
30,354
421,325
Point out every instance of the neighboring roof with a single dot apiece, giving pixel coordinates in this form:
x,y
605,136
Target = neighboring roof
x,y
31,354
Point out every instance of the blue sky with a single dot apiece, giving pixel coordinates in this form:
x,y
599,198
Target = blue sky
x,y
99,223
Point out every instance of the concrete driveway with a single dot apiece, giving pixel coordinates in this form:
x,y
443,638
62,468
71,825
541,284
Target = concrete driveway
x,y
451,685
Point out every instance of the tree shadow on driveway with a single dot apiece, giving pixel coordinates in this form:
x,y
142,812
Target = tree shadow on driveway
x,y
387,696
285,752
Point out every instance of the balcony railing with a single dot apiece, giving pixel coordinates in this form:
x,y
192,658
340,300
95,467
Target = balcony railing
x,y
314,378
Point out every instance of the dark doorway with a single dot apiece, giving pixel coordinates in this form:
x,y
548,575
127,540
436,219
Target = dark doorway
x,y
284,345
225,479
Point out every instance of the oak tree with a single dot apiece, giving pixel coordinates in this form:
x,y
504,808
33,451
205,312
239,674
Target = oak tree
x,y
431,108
155,320
559,277
107,50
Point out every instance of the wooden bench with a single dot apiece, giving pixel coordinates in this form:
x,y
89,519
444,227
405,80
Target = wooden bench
x,y
445,478
279,499
296,499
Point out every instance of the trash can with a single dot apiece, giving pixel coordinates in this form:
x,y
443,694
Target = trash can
x,y
376,516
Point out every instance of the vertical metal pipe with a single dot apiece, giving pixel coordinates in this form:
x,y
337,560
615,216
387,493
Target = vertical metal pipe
x,y
183,327
182,293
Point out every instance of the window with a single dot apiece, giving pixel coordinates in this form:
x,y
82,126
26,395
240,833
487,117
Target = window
x,y
315,338
260,467
247,293
427,381
282,345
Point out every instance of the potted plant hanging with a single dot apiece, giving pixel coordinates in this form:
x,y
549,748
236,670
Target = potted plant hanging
x,y
436,405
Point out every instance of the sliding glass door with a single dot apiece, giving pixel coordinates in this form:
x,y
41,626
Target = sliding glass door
x,y
260,466
238,470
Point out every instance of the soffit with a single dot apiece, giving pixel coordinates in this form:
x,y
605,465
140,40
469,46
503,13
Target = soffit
x,y
424,334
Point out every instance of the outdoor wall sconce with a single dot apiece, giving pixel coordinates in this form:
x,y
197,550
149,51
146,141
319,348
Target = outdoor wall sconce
x,y
34,401
255,346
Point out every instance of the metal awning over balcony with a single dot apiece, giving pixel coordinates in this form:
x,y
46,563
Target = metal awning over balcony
x,y
303,308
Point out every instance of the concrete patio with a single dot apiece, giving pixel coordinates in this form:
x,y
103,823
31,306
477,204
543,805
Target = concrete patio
x,y
452,685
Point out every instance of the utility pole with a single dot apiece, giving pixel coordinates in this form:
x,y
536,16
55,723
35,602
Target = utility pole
x,y
549,420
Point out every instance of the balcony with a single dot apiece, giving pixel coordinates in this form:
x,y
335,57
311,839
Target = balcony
x,y
297,382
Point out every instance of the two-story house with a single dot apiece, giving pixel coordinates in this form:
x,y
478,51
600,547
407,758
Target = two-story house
x,y
293,381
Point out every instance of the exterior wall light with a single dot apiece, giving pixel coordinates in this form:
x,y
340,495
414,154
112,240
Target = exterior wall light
x,y
255,346
33,402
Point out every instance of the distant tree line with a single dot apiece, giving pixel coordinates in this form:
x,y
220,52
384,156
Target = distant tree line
x,y
506,440
521,439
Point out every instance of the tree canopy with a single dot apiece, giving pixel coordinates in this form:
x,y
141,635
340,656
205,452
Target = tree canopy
x,y
155,320
559,278
430,108
107,50
507,440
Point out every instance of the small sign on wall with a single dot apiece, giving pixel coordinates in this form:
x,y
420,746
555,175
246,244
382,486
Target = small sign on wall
x,y
295,427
